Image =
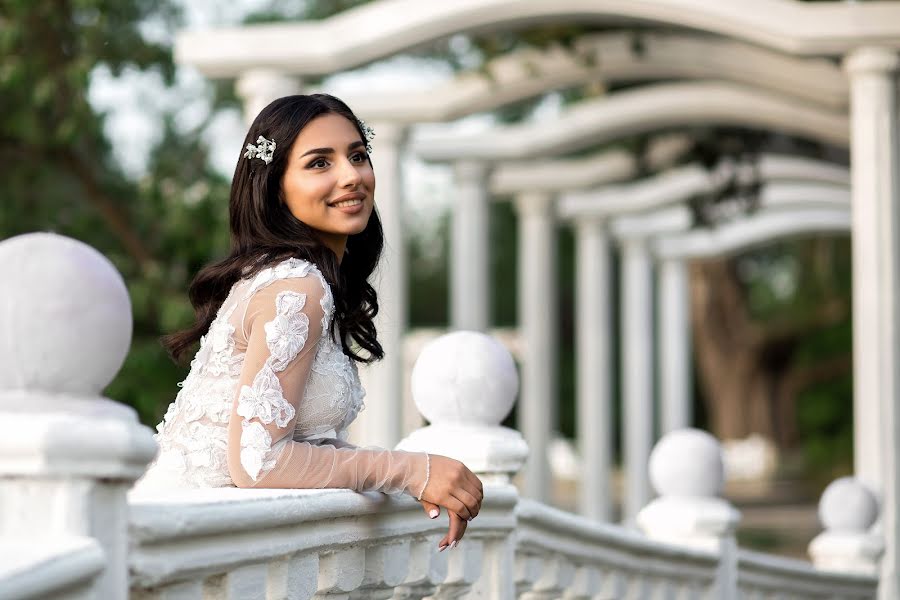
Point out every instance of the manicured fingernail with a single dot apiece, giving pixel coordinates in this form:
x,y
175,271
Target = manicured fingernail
x,y
452,544
442,548
434,513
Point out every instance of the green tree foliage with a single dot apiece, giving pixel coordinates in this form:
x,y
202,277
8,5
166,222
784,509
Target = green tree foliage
x,y
60,174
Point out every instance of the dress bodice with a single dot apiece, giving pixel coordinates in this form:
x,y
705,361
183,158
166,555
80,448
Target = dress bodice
x,y
193,436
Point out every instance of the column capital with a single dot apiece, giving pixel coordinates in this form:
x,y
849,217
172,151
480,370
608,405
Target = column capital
x,y
388,132
871,60
258,87
471,170
535,203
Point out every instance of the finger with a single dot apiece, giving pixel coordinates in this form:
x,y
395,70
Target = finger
x,y
455,533
457,528
456,505
471,504
432,510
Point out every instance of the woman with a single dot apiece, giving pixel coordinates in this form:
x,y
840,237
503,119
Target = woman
x,y
282,322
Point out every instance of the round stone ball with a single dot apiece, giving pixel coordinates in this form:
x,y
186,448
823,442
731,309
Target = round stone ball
x,y
465,377
848,505
66,317
687,462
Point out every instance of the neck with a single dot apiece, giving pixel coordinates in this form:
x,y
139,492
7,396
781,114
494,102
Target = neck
x,y
336,243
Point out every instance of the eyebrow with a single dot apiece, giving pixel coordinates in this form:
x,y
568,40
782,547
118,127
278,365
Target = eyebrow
x,y
331,150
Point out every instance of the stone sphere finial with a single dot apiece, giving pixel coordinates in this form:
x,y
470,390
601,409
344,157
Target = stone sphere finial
x,y
847,505
687,462
67,316
465,377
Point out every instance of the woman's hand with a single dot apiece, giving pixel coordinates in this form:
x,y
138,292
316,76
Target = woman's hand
x,y
453,486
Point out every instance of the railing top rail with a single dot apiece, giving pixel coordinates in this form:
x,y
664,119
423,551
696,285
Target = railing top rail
x,y
40,569
755,564
556,524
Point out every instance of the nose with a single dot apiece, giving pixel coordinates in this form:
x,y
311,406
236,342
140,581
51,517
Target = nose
x,y
349,176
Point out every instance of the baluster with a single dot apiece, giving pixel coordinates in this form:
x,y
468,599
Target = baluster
x,y
182,590
294,577
247,582
584,584
614,583
463,569
528,571
340,572
386,566
427,569
557,574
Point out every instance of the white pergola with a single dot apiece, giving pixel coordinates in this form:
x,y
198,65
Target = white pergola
x,y
267,62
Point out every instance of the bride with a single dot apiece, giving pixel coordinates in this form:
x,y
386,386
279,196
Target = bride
x,y
282,322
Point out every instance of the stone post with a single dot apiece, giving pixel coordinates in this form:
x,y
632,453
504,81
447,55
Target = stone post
x,y
383,419
687,471
673,306
470,297
637,371
848,510
875,173
593,333
465,383
538,326
258,87
67,455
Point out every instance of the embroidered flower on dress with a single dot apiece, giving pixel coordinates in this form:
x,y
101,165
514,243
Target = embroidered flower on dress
x,y
255,442
286,334
265,399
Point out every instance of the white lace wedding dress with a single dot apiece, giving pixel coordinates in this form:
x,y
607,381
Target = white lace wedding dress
x,y
269,397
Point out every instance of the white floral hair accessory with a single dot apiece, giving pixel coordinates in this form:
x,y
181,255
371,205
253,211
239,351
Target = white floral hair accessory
x,y
265,149
368,132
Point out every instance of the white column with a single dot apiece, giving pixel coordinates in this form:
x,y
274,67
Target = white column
x,y
673,308
538,328
382,421
593,356
258,87
637,372
876,325
470,298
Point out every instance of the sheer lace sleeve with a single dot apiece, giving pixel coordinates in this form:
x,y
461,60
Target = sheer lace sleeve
x,y
283,324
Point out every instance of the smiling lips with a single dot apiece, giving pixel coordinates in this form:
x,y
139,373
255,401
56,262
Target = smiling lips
x,y
348,200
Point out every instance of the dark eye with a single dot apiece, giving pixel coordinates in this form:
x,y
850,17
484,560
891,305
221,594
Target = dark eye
x,y
358,157
319,163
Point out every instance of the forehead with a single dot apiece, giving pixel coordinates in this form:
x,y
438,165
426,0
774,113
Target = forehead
x,y
327,131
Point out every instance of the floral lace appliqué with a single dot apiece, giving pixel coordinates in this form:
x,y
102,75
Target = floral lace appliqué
x,y
264,400
287,333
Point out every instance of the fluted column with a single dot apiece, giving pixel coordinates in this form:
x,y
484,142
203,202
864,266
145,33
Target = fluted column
x,y
637,371
875,170
470,298
673,306
593,332
384,389
538,326
258,87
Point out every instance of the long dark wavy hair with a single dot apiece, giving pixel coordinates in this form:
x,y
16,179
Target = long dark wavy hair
x,y
264,232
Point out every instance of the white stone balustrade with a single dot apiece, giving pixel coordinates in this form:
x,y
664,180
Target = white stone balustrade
x,y
67,455
67,458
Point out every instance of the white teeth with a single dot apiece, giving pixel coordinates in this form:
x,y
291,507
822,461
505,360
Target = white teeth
x,y
347,203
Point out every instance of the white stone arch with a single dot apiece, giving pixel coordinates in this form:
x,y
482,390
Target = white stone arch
x,y
754,230
371,32
606,58
637,111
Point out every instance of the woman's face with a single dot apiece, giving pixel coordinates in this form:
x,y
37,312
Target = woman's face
x,y
328,183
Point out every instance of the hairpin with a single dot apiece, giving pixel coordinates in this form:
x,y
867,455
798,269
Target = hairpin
x,y
368,132
265,150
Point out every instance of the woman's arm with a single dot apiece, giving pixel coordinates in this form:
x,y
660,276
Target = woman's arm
x,y
284,325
